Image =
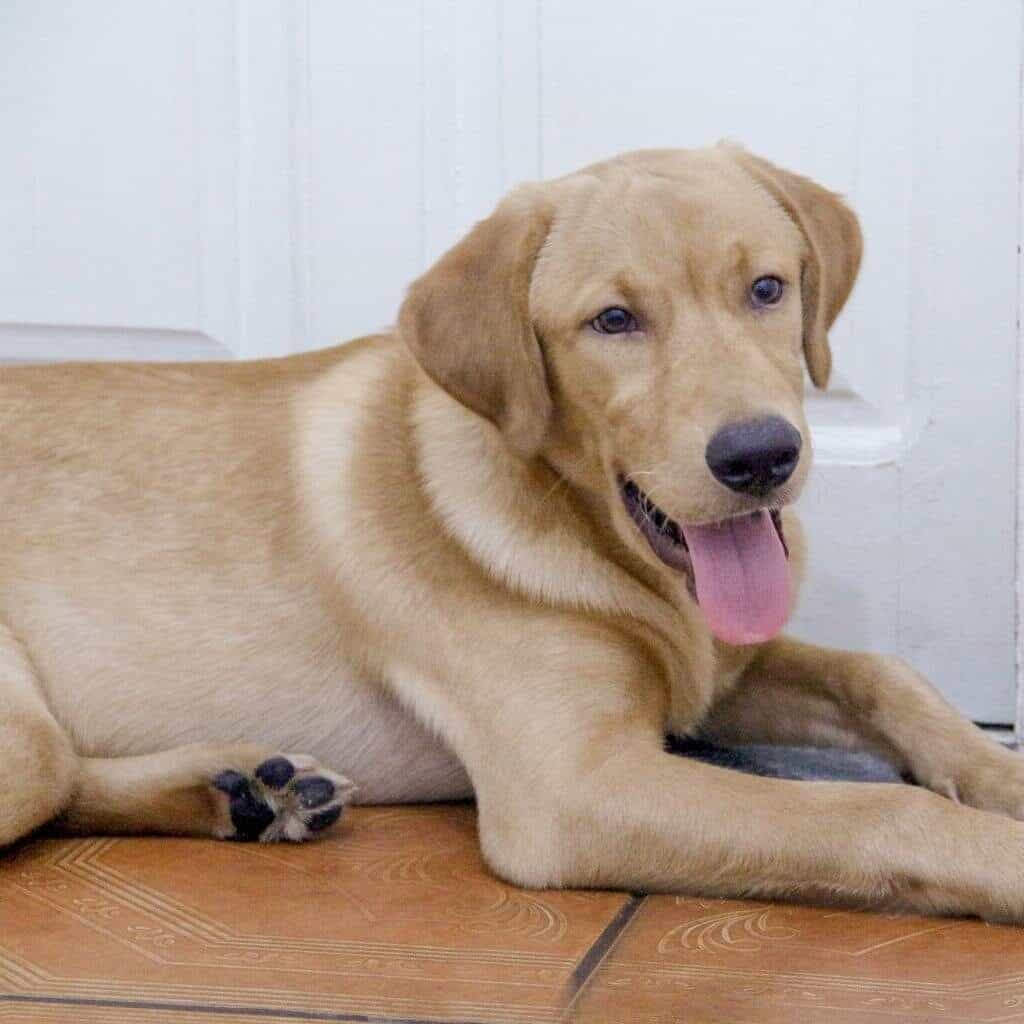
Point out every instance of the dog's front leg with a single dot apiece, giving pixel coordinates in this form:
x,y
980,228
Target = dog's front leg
x,y
560,722
794,691
619,812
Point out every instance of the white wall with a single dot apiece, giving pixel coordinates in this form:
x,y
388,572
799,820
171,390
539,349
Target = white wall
x,y
219,179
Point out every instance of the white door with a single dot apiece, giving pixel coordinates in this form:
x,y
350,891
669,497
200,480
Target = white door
x,y
214,180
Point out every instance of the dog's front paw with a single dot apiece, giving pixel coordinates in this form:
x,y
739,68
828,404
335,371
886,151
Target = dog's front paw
x,y
286,797
991,780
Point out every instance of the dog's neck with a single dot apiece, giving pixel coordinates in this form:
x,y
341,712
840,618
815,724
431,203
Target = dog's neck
x,y
532,529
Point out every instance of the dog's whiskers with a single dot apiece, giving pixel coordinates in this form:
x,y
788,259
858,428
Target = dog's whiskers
x,y
554,487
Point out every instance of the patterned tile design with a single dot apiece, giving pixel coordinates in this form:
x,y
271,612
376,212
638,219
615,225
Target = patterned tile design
x,y
395,917
395,920
698,961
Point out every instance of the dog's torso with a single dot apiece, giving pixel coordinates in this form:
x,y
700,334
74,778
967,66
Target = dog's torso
x,y
306,553
158,567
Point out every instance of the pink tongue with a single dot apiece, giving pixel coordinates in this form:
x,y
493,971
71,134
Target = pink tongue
x,y
742,577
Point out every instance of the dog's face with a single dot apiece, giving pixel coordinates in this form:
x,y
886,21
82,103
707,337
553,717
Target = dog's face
x,y
643,325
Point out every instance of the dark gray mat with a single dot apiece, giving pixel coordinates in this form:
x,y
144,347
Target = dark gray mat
x,y
789,762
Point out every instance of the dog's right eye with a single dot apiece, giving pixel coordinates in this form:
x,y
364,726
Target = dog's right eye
x,y
614,320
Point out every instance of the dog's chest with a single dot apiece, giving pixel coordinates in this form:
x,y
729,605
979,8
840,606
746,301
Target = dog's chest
x,y
701,675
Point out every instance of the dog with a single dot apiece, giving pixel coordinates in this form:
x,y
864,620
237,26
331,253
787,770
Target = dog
x,y
500,552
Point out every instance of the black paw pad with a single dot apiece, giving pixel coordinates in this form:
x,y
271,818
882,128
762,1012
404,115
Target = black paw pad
x,y
231,782
314,791
275,772
249,814
324,819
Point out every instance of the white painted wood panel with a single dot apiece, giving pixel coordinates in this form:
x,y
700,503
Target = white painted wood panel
x,y
957,614
244,178
117,199
366,160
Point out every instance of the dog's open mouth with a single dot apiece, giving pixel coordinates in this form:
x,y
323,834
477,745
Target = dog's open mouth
x,y
736,569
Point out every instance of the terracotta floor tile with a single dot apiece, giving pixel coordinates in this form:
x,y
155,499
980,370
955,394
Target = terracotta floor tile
x,y
394,917
688,961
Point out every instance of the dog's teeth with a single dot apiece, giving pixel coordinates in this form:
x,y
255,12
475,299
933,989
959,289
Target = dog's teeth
x,y
652,513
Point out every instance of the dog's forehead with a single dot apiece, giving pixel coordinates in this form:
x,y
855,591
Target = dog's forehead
x,y
661,211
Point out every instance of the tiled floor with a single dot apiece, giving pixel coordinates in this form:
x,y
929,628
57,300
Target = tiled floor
x,y
394,918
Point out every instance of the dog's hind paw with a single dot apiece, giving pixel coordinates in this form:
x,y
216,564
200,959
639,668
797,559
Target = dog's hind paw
x,y
286,797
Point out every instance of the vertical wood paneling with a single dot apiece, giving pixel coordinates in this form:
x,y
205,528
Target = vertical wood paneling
x,y
268,59
439,168
519,95
478,143
958,482
1019,524
215,153
365,164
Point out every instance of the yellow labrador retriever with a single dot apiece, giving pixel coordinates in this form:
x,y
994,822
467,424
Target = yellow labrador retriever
x,y
500,551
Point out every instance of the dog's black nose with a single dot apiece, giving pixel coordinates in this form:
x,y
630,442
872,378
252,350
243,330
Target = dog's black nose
x,y
754,457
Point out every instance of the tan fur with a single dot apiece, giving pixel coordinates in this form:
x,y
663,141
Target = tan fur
x,y
408,558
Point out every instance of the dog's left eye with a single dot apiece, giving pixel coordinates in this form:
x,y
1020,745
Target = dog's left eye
x,y
766,291
614,320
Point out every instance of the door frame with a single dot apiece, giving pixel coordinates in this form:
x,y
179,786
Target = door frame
x,y
1018,725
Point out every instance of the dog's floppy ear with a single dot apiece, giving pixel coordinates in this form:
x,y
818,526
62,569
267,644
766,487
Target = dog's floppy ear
x,y
467,321
834,250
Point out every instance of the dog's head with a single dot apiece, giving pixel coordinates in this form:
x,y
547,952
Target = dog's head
x,y
642,325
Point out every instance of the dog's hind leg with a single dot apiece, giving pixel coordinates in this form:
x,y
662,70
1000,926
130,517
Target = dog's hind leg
x,y
39,765
228,792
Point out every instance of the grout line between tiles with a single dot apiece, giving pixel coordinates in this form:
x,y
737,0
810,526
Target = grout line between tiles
x,y
603,945
223,1011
